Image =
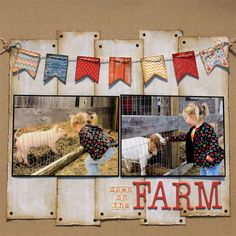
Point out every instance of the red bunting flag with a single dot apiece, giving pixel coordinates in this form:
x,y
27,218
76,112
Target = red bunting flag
x,y
120,69
87,66
185,63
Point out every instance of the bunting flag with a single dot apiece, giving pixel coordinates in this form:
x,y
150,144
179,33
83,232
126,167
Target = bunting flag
x,y
28,61
120,69
87,66
55,66
213,57
153,66
185,63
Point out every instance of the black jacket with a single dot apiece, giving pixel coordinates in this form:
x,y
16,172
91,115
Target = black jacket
x,y
205,143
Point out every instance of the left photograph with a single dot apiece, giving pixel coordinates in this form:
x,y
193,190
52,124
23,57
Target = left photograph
x,y
65,136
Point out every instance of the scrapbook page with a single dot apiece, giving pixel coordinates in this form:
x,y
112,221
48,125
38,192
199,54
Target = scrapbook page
x,y
105,129
173,125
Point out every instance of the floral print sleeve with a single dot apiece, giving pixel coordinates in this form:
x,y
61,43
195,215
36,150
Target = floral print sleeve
x,y
178,138
213,145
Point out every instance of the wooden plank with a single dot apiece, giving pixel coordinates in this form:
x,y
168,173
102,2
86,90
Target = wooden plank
x,y
133,126
159,216
76,202
104,198
216,84
182,125
161,43
40,116
76,44
115,199
180,170
175,148
22,83
76,197
59,164
30,198
119,48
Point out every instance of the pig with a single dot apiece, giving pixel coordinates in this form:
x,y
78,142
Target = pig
x,y
36,139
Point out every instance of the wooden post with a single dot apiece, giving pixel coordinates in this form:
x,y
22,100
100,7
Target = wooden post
x,y
60,163
175,152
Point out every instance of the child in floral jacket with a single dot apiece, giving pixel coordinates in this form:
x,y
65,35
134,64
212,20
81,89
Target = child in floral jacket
x,y
95,142
202,147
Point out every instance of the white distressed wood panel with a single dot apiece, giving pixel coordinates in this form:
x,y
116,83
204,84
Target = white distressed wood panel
x,y
76,44
115,199
159,216
76,202
216,84
30,198
22,83
119,48
81,210
161,43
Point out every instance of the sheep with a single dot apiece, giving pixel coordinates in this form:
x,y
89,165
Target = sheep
x,y
141,149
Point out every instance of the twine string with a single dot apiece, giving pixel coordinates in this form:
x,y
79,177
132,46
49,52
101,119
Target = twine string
x,y
8,47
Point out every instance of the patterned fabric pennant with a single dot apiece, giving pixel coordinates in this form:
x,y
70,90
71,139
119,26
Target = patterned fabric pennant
x,y
185,63
213,57
55,66
120,69
87,66
153,66
28,61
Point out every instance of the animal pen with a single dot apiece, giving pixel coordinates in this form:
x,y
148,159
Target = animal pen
x,y
143,116
37,116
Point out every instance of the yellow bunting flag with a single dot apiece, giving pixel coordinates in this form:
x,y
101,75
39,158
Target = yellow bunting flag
x,y
153,66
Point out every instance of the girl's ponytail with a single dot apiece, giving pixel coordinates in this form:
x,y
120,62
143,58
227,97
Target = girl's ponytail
x,y
204,110
92,119
199,111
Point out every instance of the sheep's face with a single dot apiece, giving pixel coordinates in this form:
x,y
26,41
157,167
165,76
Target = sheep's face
x,y
162,140
154,144
155,141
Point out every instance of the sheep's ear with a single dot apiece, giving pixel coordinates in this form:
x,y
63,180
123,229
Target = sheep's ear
x,y
152,137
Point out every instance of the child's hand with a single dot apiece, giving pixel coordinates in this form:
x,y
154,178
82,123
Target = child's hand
x,y
209,158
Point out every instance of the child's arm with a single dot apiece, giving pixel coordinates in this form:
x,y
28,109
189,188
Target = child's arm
x,y
213,145
178,138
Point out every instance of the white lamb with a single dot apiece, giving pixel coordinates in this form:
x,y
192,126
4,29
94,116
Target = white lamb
x,y
141,149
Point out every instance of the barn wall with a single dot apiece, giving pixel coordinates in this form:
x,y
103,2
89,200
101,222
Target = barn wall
x,y
37,116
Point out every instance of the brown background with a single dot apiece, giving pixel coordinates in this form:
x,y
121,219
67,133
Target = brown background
x,y
118,19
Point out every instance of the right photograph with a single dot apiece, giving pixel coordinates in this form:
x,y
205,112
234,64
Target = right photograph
x,y
172,136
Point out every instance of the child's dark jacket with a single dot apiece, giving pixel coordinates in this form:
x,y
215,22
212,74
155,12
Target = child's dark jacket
x,y
95,141
205,142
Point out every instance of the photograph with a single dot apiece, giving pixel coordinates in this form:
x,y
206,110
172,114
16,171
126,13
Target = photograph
x,y
172,136
65,136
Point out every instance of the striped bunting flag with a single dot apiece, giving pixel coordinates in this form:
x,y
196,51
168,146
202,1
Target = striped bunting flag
x,y
27,61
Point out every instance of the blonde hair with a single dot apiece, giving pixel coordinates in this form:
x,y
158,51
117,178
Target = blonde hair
x,y
83,118
200,111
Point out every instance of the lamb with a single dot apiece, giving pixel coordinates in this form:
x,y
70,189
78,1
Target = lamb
x,y
36,139
141,149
